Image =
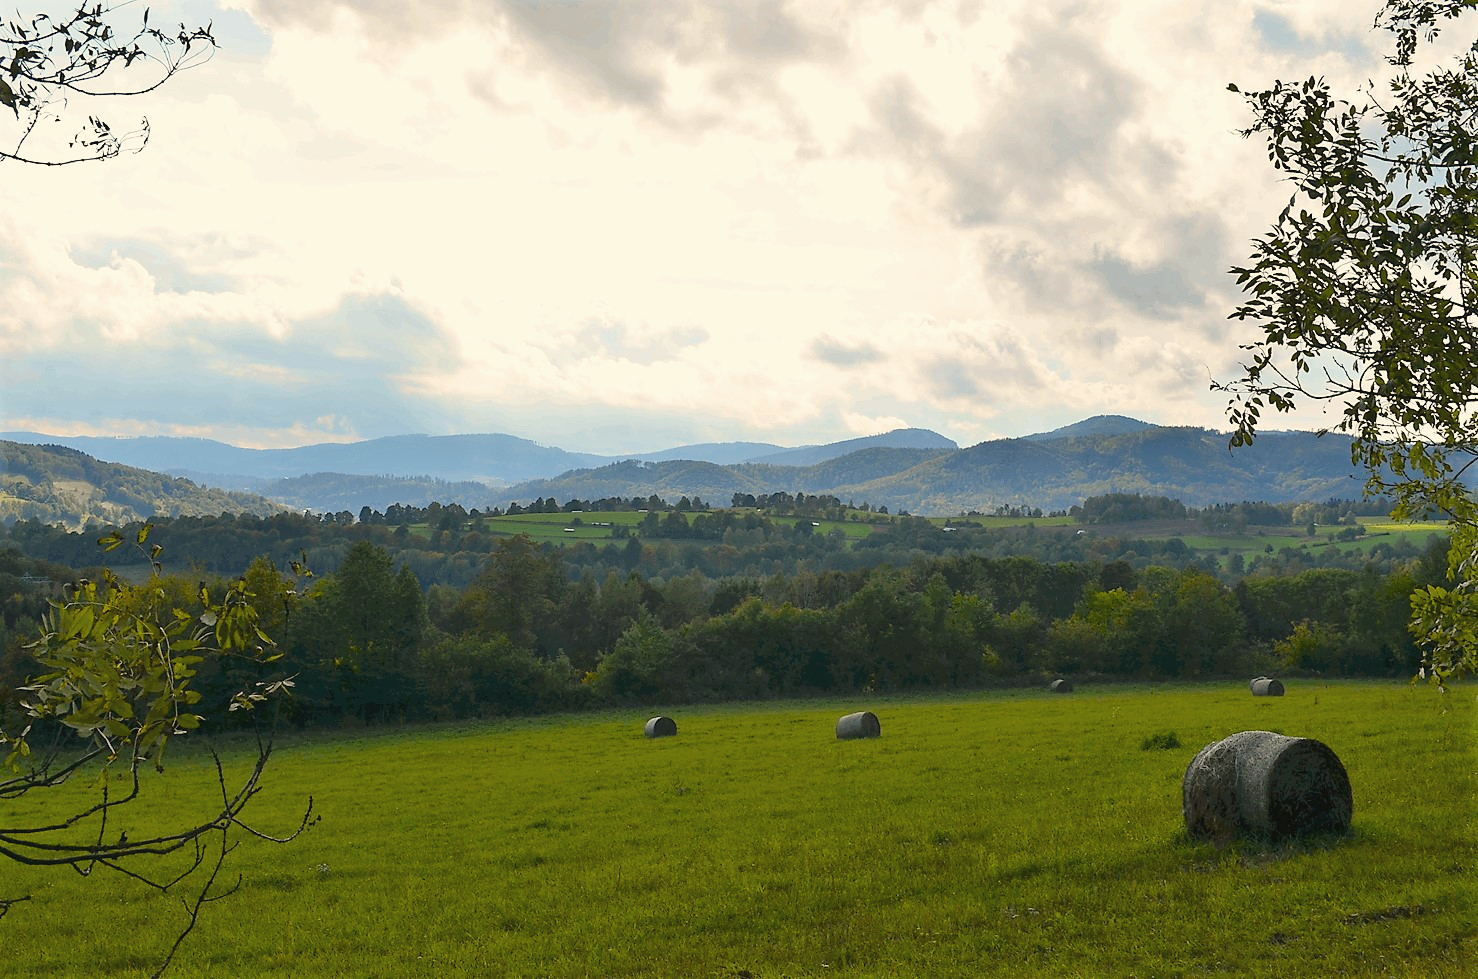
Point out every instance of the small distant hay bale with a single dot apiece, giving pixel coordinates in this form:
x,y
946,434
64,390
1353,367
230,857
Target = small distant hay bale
x,y
1060,686
1267,687
863,724
1265,784
661,727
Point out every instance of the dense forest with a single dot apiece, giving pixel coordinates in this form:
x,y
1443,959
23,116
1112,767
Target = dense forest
x,y
429,613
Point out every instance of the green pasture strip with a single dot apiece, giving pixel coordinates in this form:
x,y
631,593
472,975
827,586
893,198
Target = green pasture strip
x,y
549,531
1384,525
629,518
996,523
1014,833
551,526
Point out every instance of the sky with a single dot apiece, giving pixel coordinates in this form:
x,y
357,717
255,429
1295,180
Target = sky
x,y
618,227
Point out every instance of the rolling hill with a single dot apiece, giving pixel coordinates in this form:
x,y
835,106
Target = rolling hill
x,y
59,485
924,475
492,459
1190,464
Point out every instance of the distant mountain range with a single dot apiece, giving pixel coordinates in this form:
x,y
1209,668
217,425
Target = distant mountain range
x,y
909,469
493,459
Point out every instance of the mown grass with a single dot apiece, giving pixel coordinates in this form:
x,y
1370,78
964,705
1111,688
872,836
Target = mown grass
x,y
998,834
555,528
600,525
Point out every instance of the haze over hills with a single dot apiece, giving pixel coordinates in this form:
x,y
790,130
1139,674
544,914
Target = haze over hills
x,y
1097,425
1190,464
902,438
494,459
927,474
486,458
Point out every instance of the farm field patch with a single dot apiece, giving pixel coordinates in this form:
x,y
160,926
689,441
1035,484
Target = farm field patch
x,y
1000,833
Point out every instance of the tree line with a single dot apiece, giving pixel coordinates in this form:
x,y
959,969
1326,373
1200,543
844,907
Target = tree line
x,y
366,643
447,544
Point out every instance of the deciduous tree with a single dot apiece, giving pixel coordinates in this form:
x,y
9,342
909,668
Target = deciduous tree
x,y
117,687
1365,289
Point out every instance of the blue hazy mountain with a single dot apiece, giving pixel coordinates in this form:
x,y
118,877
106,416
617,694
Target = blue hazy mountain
x,y
495,458
1097,425
810,455
911,469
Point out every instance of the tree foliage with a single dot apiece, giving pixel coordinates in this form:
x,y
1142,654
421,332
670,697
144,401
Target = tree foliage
x,y
1365,288
117,686
48,61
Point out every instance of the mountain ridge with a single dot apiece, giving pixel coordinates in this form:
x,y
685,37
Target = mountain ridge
x,y
492,458
1054,471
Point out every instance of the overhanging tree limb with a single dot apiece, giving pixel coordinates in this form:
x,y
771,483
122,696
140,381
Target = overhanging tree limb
x,y
1364,291
47,62
119,666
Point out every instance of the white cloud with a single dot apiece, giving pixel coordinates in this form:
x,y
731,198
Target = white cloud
x,y
597,222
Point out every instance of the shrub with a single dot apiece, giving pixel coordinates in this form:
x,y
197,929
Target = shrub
x,y
1160,742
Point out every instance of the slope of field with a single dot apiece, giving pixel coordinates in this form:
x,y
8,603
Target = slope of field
x,y
1006,834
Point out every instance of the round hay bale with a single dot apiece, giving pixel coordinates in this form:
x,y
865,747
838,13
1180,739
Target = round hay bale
x,y
863,724
1267,687
1266,784
1060,686
661,727
1208,792
1253,684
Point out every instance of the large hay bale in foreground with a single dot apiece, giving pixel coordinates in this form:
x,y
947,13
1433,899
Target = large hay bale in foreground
x,y
1262,783
661,727
863,724
1267,687
1060,686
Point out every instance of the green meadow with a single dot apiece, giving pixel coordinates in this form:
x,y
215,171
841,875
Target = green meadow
x,y
555,528
1005,833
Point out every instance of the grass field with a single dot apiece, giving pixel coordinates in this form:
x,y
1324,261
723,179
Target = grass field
x,y
984,834
597,525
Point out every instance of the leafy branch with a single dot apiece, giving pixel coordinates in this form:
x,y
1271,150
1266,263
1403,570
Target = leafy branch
x,y
46,61
119,668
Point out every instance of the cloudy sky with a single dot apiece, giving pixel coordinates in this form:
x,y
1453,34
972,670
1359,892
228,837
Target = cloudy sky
x,y
623,226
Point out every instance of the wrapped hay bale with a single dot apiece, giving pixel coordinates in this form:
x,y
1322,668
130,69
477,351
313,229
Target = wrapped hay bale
x,y
661,727
1265,784
863,724
1060,686
1267,687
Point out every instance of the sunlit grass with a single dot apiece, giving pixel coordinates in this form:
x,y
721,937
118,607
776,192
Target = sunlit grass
x,y
1012,833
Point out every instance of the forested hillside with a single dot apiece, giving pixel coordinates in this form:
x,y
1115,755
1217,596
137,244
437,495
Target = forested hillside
x,y
913,471
332,492
57,485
